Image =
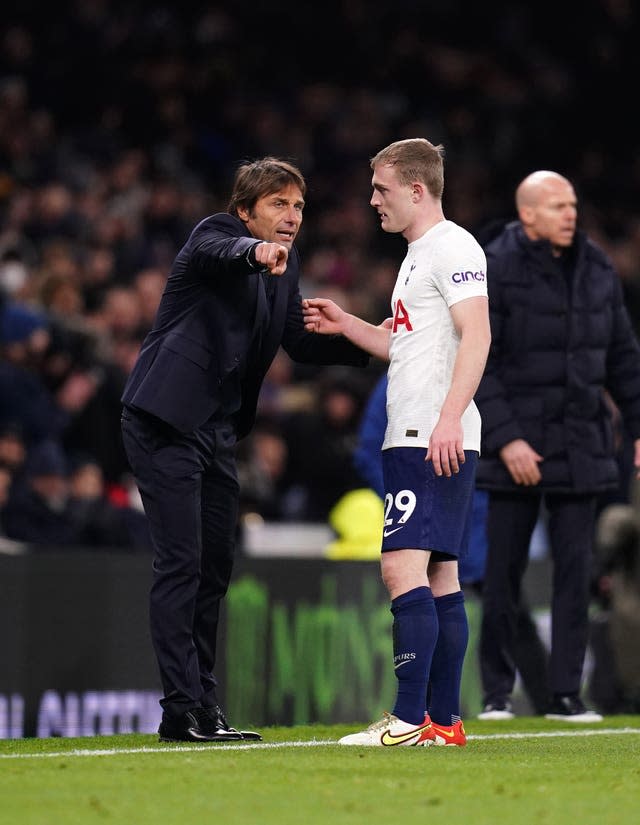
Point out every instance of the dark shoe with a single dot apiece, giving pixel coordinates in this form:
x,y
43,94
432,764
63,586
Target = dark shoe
x,y
219,719
570,708
195,725
497,710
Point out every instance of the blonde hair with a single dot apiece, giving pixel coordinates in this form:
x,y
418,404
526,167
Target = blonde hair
x,y
415,159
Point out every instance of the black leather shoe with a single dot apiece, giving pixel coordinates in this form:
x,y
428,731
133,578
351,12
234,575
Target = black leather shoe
x,y
219,719
195,725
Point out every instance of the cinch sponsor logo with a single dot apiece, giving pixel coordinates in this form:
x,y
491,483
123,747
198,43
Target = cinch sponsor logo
x,y
461,277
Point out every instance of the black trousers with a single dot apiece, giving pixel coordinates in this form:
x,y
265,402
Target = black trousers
x,y
189,490
511,520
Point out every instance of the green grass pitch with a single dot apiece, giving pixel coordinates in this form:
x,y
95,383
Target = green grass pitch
x,y
529,770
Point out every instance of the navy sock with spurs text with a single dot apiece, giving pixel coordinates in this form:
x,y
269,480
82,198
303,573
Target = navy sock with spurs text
x,y
415,631
448,659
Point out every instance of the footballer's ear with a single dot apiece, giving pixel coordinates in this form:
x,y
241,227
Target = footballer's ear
x,y
243,213
417,191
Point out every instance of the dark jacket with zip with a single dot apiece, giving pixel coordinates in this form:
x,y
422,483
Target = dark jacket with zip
x,y
561,336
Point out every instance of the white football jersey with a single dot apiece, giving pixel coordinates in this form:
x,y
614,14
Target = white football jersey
x,y
444,266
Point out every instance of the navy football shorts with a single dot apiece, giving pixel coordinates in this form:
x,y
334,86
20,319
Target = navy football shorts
x,y
423,511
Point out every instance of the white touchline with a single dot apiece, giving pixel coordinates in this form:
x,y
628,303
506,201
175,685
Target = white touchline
x,y
313,743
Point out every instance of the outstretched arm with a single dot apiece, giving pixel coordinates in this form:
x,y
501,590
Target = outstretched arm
x,y
325,317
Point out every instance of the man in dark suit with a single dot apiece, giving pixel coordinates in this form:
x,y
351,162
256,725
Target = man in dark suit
x,y
231,300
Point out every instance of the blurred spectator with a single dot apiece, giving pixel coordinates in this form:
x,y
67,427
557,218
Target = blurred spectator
x,y
97,521
281,394
37,510
5,485
12,448
24,395
119,313
97,271
23,332
58,502
615,627
149,285
262,469
7,545
60,296
54,214
321,442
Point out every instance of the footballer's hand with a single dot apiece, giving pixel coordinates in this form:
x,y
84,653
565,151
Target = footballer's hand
x,y
445,447
323,316
522,462
272,256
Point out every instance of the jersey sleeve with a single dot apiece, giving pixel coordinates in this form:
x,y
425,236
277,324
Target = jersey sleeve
x,y
460,268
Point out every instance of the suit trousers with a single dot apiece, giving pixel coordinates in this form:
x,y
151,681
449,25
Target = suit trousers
x,y
189,489
511,520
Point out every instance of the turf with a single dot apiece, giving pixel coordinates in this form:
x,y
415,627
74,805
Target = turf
x,y
528,770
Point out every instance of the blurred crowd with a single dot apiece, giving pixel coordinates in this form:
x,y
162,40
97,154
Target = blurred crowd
x,y
121,125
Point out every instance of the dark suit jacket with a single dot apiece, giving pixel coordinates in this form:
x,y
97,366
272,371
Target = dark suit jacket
x,y
214,337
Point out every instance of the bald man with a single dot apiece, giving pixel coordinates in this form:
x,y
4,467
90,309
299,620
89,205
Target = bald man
x,y
548,208
561,337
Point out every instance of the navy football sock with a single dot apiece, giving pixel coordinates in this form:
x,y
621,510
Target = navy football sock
x,y
448,658
415,630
